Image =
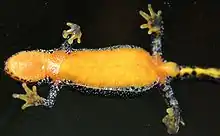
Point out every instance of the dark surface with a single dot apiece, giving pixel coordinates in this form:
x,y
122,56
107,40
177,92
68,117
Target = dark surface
x,y
191,38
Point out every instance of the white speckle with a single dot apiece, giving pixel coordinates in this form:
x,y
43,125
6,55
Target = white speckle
x,y
54,68
168,3
46,3
43,67
194,2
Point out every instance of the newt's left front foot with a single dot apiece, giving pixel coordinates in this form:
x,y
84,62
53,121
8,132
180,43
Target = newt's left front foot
x,y
31,97
172,121
74,32
154,20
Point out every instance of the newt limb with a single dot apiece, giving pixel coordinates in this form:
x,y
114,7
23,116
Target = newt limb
x,y
172,120
74,32
154,20
31,97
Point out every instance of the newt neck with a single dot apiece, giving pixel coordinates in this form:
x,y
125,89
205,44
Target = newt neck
x,y
54,62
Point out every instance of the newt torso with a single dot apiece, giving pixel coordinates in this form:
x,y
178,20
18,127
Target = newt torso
x,y
119,67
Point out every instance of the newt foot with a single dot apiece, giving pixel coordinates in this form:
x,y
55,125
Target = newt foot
x,y
154,20
31,97
74,32
172,121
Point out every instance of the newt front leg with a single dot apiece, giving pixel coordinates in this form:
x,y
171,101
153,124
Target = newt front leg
x,y
31,97
74,33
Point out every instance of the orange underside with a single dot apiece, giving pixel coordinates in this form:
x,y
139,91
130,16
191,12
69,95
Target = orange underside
x,y
110,68
121,67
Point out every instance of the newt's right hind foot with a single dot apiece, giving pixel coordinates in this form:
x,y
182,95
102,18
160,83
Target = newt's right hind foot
x,y
31,97
154,20
74,32
172,121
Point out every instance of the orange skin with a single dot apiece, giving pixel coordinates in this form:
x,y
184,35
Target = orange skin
x,y
122,67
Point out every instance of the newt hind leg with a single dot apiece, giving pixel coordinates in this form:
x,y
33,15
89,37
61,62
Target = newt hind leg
x,y
154,20
155,28
173,119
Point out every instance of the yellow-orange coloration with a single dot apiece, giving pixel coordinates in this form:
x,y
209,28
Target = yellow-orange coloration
x,y
28,66
120,67
110,68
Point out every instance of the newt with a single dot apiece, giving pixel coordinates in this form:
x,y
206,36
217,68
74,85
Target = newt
x,y
119,69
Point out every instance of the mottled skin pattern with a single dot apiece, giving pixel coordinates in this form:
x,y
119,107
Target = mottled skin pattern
x,y
120,70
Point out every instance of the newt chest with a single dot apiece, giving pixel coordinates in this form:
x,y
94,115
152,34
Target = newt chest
x,y
122,67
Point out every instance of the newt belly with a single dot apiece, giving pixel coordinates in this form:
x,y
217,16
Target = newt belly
x,y
121,67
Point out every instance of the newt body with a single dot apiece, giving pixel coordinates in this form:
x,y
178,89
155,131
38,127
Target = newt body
x,y
121,68
126,66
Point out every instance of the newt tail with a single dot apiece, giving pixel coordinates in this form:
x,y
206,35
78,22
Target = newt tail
x,y
199,72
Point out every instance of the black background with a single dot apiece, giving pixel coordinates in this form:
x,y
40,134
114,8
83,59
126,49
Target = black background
x,y
191,38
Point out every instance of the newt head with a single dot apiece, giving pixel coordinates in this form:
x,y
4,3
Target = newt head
x,y
26,66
